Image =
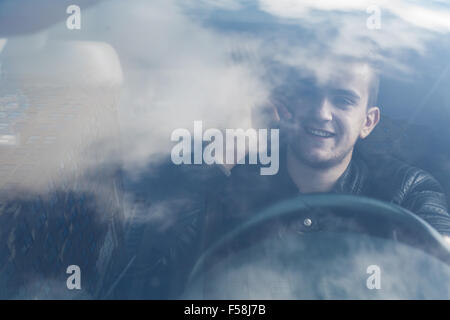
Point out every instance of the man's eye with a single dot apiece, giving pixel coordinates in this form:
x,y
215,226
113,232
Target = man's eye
x,y
343,101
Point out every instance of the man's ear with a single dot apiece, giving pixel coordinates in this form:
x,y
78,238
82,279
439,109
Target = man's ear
x,y
372,119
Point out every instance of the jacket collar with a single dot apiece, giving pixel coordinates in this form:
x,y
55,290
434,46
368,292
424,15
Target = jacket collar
x,y
352,181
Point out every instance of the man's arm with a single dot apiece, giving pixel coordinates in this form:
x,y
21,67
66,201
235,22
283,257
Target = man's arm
x,y
165,235
424,196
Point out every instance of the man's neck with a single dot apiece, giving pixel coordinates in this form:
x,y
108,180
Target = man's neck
x,y
311,180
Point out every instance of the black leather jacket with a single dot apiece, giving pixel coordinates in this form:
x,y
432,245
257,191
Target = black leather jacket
x,y
196,204
380,177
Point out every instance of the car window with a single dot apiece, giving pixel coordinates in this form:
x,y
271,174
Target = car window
x,y
137,136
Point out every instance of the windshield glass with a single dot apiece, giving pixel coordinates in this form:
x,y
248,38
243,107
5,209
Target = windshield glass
x,y
145,144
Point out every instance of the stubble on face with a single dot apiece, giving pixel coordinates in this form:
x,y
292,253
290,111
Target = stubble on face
x,y
322,159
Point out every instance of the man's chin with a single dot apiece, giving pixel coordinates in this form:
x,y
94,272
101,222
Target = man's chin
x,y
319,162
317,159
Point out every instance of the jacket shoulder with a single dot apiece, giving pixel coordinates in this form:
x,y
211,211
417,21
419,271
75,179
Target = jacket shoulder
x,y
399,178
410,187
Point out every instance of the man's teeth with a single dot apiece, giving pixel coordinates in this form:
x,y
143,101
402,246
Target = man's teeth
x,y
320,133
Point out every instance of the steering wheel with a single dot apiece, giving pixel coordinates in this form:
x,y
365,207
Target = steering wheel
x,y
340,213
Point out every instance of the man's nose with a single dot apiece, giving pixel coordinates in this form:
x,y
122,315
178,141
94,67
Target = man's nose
x,y
322,110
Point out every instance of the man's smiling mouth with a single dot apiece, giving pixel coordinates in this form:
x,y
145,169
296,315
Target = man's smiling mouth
x,y
319,133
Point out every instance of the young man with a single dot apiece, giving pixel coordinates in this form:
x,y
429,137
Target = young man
x,y
321,121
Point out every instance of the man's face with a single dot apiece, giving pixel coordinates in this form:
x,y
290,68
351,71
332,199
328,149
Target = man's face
x,y
326,119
